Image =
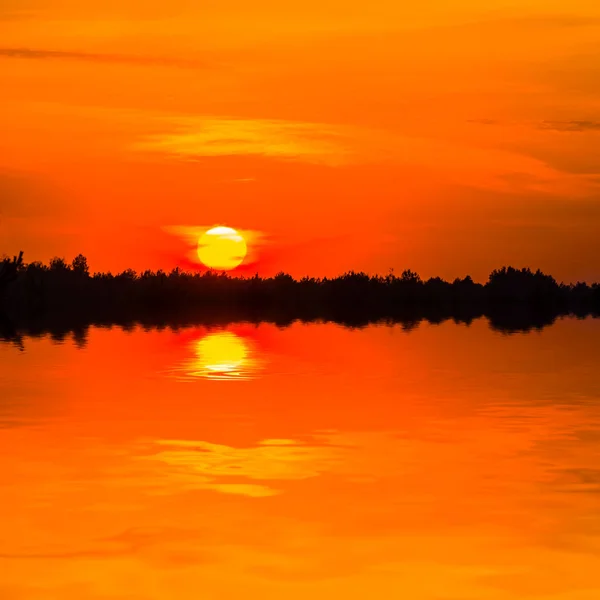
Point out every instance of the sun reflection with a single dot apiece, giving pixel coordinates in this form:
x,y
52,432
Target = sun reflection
x,y
255,471
222,355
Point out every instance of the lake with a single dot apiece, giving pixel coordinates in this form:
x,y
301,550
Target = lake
x,y
443,463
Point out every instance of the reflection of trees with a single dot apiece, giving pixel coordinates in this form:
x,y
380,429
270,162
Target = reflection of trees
x,y
63,298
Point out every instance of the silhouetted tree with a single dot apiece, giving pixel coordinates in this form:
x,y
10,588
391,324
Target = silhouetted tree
x,y
409,276
58,264
66,298
80,266
9,269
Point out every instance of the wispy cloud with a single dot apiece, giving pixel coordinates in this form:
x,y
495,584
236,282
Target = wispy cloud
x,y
191,233
483,121
551,21
571,125
211,137
336,145
98,57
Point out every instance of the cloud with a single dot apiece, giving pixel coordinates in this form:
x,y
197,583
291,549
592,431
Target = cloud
x,y
337,145
571,125
550,21
218,136
517,25
38,54
547,125
483,121
191,233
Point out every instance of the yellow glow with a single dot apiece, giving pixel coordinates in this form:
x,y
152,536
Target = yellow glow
x,y
222,248
231,470
221,355
276,138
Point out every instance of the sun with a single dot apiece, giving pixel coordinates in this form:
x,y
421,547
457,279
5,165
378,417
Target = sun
x,y
221,248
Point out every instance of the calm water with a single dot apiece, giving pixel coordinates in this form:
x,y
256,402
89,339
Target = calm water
x,y
448,463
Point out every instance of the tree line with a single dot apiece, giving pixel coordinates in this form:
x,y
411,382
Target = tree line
x,y
511,298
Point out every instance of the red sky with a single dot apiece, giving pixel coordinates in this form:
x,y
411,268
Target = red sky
x,y
343,135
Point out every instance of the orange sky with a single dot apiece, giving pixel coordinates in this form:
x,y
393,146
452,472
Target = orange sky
x,y
447,137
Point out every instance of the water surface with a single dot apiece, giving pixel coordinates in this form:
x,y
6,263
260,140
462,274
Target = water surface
x,y
445,463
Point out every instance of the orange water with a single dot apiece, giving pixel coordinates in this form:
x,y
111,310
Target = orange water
x,y
448,463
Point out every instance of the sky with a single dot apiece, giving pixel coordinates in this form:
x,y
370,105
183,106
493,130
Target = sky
x,y
449,138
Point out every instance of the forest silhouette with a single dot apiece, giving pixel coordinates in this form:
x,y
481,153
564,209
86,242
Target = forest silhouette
x,y
63,298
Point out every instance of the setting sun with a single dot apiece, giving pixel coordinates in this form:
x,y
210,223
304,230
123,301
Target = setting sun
x,y
221,248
